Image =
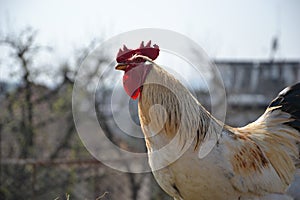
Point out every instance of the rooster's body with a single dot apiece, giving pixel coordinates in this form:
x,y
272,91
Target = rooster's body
x,y
253,162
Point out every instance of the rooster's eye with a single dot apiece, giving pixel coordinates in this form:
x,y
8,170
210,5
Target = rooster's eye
x,y
139,60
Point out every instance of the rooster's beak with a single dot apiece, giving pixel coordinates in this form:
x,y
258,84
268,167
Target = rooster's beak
x,y
121,66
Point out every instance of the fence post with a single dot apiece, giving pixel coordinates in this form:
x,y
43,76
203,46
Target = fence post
x,y
33,181
95,169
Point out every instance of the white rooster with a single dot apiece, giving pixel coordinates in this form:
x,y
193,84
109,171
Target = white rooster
x,y
252,162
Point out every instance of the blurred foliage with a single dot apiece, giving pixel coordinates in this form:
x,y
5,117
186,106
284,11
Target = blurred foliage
x,y
38,135
37,122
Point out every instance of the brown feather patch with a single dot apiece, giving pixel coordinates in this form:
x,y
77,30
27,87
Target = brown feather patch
x,y
248,158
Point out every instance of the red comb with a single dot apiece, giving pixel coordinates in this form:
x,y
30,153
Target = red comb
x,y
150,52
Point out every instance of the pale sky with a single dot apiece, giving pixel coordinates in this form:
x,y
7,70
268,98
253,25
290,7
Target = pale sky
x,y
240,29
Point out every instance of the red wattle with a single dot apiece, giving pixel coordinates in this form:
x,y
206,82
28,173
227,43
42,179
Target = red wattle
x,y
134,79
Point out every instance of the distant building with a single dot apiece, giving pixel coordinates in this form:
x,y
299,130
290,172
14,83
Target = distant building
x,y
255,81
251,85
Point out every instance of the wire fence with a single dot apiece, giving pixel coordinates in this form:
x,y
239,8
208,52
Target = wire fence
x,y
73,179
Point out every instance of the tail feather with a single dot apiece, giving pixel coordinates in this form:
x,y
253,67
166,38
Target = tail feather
x,y
288,101
275,136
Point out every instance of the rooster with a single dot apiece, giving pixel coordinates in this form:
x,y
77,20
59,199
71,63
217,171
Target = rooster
x,y
257,161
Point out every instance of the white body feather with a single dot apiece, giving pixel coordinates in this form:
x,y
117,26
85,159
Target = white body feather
x,y
239,166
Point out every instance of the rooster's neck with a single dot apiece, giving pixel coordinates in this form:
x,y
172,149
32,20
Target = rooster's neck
x,y
167,108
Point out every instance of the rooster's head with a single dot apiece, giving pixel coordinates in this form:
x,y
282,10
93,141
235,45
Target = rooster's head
x,y
132,62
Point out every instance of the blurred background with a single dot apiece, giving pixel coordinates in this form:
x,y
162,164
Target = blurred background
x,y
255,45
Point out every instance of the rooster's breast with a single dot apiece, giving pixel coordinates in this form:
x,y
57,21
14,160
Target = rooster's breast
x,y
191,178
